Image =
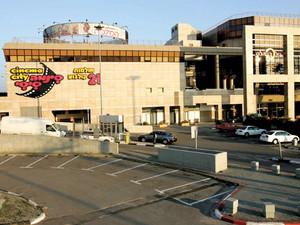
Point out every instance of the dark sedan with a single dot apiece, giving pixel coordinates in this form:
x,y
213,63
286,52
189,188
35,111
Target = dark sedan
x,y
158,137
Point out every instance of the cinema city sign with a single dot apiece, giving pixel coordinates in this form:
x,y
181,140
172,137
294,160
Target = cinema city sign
x,y
269,53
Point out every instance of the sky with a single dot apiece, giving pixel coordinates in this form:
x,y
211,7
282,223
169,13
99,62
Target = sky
x,y
148,21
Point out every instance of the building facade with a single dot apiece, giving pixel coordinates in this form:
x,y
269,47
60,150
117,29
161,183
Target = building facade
x,y
241,66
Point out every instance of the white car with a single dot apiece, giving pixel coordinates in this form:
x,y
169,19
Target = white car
x,y
101,138
276,136
249,130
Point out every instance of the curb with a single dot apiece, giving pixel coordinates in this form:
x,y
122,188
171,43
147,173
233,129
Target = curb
x,y
218,214
147,144
32,221
288,160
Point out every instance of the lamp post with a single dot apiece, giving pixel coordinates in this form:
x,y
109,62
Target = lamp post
x,y
99,27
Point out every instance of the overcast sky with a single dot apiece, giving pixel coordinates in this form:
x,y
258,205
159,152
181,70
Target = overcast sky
x,y
148,21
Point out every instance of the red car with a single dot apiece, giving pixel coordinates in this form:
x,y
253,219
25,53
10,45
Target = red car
x,y
226,127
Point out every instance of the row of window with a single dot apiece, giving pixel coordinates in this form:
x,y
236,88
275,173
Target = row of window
x,y
57,52
45,55
92,59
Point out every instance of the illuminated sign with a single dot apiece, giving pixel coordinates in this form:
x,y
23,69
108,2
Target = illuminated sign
x,y
85,74
39,81
269,52
72,29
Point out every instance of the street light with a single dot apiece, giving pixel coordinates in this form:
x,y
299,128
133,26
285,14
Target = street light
x,y
99,27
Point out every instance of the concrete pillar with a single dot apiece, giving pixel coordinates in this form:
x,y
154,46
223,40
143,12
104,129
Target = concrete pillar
x,y
167,114
217,69
255,165
232,77
231,206
219,112
276,169
269,210
289,100
225,83
182,116
249,97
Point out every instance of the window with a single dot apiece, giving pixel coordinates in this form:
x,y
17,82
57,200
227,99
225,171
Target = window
x,y
269,54
161,89
50,128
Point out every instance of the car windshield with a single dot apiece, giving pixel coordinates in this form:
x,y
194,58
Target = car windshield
x,y
270,132
242,128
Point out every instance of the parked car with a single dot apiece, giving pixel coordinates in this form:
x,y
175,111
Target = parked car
x,y
276,136
249,131
33,126
160,137
90,135
226,127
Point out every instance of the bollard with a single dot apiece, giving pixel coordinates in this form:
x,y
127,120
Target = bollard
x,y
298,173
231,206
269,210
255,165
276,169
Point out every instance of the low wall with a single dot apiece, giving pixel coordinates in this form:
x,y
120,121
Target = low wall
x,y
35,144
79,127
207,160
139,128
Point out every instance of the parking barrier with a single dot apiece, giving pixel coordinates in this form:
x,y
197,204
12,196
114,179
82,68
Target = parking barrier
x,y
276,169
269,210
255,165
231,206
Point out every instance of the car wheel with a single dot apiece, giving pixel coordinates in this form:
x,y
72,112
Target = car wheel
x,y
143,139
275,141
246,134
165,141
295,141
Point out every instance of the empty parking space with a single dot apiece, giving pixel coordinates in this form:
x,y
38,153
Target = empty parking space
x,y
71,185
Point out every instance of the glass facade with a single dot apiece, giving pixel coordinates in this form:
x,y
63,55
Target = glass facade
x,y
233,28
269,54
297,54
61,55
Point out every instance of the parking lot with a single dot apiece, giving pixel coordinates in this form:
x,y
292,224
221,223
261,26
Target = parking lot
x,y
86,190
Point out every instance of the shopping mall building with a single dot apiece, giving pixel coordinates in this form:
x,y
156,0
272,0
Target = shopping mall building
x,y
244,65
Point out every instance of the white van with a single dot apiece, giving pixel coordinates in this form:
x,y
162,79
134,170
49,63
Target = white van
x,y
27,125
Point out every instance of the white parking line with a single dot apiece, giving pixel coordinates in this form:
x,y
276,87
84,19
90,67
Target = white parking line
x,y
125,170
7,159
201,200
103,164
65,163
205,199
148,178
31,164
187,184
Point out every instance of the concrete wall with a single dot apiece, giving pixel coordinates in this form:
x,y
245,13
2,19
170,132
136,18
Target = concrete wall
x,y
212,161
36,144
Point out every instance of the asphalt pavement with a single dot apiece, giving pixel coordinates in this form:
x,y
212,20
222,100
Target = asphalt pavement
x,y
254,187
